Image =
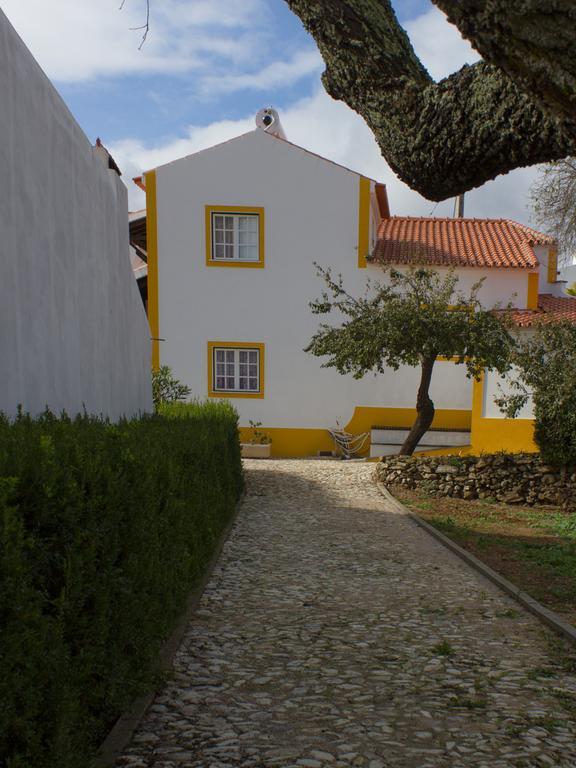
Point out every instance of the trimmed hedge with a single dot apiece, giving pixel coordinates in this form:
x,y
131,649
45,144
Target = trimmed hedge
x,y
105,529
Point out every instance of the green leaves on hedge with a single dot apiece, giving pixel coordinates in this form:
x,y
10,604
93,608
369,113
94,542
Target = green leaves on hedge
x,y
104,530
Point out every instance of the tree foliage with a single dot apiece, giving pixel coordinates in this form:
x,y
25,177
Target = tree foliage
x,y
515,108
414,318
554,203
166,388
547,371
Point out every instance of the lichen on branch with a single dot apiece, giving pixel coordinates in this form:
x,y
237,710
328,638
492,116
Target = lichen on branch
x,y
440,138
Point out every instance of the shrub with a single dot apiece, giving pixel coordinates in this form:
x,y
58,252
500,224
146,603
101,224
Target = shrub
x,y
104,531
546,365
166,388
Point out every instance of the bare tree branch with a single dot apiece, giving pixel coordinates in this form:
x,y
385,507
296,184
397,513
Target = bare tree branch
x,y
145,26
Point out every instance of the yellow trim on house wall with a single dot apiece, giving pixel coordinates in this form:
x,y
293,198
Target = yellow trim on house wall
x,y
363,220
209,210
300,442
532,299
293,442
552,265
366,417
152,248
490,435
235,345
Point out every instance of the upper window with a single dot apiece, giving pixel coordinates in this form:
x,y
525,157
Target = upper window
x,y
234,236
235,369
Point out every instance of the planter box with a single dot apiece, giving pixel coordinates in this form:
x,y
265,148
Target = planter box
x,y
256,451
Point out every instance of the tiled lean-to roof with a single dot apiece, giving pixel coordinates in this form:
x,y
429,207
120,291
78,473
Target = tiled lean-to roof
x,y
457,242
550,309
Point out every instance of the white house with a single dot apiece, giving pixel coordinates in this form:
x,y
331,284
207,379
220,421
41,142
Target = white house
x,y
232,236
73,331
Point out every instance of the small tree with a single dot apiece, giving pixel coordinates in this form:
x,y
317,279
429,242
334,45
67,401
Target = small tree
x,y
547,371
554,203
166,388
412,321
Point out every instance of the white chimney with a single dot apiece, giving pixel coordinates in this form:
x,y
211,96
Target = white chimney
x,y
268,120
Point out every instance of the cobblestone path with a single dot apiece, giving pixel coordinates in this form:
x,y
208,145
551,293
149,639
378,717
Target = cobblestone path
x,y
334,632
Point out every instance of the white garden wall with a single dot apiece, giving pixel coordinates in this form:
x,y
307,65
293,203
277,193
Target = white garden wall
x,y
73,332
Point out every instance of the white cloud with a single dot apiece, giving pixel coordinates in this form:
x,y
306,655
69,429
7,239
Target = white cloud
x,y
439,44
78,40
278,74
334,131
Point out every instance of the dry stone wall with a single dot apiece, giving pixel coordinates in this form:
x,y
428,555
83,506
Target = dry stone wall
x,y
510,478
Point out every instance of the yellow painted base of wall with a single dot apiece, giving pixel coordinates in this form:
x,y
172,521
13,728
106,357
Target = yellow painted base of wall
x,y
364,418
493,435
294,443
511,435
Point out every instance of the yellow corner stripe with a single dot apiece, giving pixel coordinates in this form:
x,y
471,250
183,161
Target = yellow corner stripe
x,y
552,265
152,243
532,302
363,221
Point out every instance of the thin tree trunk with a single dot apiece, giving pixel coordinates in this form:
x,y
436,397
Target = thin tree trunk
x,y
424,408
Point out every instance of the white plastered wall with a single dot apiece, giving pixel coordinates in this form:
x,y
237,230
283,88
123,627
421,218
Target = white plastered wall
x,y
73,332
496,386
311,214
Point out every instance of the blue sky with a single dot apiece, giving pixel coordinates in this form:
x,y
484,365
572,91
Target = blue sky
x,y
208,66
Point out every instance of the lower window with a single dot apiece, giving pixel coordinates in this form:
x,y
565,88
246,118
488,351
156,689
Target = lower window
x,y
235,369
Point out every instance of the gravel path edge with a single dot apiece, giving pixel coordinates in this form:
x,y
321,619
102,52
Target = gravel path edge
x,y
546,616
124,728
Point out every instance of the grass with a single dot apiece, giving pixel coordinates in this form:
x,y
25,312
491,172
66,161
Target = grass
x,y
533,547
443,649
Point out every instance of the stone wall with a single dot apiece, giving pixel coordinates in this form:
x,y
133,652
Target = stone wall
x,y
511,478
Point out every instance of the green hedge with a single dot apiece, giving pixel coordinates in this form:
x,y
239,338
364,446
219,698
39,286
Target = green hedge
x,y
104,531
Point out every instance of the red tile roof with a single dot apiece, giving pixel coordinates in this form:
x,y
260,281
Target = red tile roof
x,y
550,309
457,242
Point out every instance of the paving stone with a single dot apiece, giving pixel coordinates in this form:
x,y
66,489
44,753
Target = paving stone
x,y
318,644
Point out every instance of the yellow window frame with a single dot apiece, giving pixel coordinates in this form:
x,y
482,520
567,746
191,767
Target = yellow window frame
x,y
231,209
212,392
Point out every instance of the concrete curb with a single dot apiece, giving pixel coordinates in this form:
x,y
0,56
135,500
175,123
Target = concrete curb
x,y
548,617
123,730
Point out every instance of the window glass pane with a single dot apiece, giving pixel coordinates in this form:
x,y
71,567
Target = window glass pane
x,y
243,356
248,252
219,355
253,356
243,383
253,370
235,237
220,382
243,369
230,382
253,384
230,355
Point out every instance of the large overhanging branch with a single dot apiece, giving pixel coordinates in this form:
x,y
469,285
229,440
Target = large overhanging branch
x,y
440,138
533,41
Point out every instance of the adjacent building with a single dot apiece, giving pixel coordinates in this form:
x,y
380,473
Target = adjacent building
x,y
233,236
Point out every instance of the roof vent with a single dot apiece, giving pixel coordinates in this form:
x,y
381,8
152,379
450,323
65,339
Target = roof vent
x,y
268,120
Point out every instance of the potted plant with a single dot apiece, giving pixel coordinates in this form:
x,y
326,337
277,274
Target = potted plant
x,y
259,445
